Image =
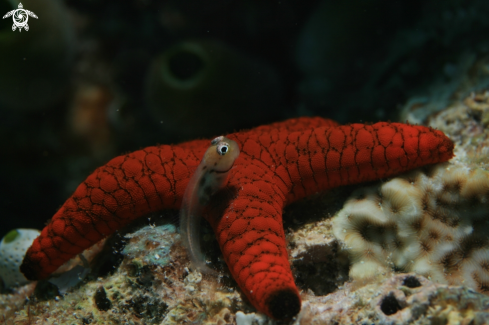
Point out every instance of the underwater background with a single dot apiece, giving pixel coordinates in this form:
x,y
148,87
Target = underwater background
x,y
82,82
91,80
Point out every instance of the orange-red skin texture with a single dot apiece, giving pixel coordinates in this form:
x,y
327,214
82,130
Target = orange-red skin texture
x,y
278,164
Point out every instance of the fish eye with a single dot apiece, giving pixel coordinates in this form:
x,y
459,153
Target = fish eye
x,y
222,148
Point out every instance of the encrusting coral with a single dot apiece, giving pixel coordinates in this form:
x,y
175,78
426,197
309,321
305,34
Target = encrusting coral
x,y
432,222
151,285
399,299
150,245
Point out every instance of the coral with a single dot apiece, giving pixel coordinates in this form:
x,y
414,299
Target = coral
x,y
466,123
449,88
157,240
314,252
12,302
400,299
431,222
142,290
12,249
251,319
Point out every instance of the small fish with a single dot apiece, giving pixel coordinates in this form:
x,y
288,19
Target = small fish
x,y
210,176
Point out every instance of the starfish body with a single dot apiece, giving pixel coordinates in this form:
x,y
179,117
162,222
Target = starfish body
x,y
278,164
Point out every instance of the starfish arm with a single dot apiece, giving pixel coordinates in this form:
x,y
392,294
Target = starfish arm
x,y
323,158
250,233
126,188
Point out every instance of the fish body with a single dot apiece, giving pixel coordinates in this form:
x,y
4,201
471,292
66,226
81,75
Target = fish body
x,y
211,175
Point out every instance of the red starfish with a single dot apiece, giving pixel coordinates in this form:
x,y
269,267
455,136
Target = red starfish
x,y
278,164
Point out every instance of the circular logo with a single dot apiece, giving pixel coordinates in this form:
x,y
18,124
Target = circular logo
x,y
20,17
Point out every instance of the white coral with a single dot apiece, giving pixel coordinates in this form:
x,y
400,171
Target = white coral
x,y
434,223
